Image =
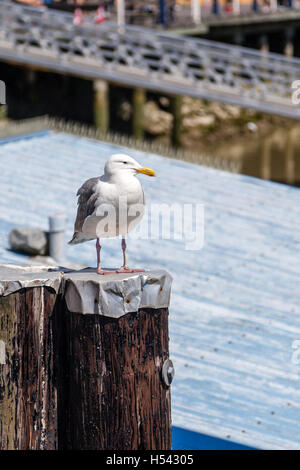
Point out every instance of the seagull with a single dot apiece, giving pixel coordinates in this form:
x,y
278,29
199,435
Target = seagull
x,y
111,205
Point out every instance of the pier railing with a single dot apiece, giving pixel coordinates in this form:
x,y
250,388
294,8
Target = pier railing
x,y
139,57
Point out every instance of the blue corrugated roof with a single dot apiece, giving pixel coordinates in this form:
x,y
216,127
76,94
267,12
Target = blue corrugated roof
x,y
235,308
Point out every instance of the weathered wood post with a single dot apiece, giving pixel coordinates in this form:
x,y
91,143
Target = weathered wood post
x,y
101,105
86,360
266,162
138,105
176,105
115,346
290,161
288,48
28,418
264,43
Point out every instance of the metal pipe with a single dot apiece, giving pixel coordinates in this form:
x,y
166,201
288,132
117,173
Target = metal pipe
x,y
196,11
57,224
121,15
236,7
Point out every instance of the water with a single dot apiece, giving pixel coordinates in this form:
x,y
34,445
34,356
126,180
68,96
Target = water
x,y
274,157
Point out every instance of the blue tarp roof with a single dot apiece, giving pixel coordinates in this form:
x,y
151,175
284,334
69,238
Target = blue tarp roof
x,y
235,309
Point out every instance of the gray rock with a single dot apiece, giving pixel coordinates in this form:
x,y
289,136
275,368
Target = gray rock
x,y
157,121
31,241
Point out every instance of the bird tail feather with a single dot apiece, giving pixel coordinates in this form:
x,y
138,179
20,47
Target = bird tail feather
x,y
78,238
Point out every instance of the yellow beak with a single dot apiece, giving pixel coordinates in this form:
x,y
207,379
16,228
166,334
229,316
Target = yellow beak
x,y
146,171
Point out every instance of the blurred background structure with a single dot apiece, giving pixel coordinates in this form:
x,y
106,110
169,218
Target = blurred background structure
x,y
202,92
153,80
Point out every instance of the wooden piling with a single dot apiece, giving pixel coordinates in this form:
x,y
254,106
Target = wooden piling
x,y
264,44
27,390
290,157
84,359
266,167
176,105
239,38
288,49
101,105
138,104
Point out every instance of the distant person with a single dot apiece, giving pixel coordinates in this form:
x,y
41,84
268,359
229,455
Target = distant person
x,y
78,17
228,6
100,15
99,18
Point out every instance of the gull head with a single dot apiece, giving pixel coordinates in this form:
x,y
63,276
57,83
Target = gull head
x,y
120,163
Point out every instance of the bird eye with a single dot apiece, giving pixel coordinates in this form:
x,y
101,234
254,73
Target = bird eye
x,y
125,163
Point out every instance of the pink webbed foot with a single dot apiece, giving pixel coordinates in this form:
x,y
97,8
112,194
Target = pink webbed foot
x,y
106,271
126,270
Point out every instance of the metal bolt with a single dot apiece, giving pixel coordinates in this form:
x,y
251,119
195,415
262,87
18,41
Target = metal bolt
x,y
168,372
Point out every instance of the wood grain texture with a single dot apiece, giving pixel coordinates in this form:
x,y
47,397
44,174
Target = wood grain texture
x,y
114,397
27,392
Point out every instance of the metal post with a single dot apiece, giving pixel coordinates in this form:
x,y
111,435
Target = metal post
x,y
121,14
196,11
57,223
236,7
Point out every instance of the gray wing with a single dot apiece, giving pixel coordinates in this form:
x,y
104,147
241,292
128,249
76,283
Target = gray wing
x,y
86,206
86,202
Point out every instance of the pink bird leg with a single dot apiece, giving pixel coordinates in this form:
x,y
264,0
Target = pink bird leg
x,y
125,268
99,269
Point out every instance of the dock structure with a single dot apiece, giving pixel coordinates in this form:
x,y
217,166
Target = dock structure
x,y
144,60
84,360
234,314
194,16
278,31
216,19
